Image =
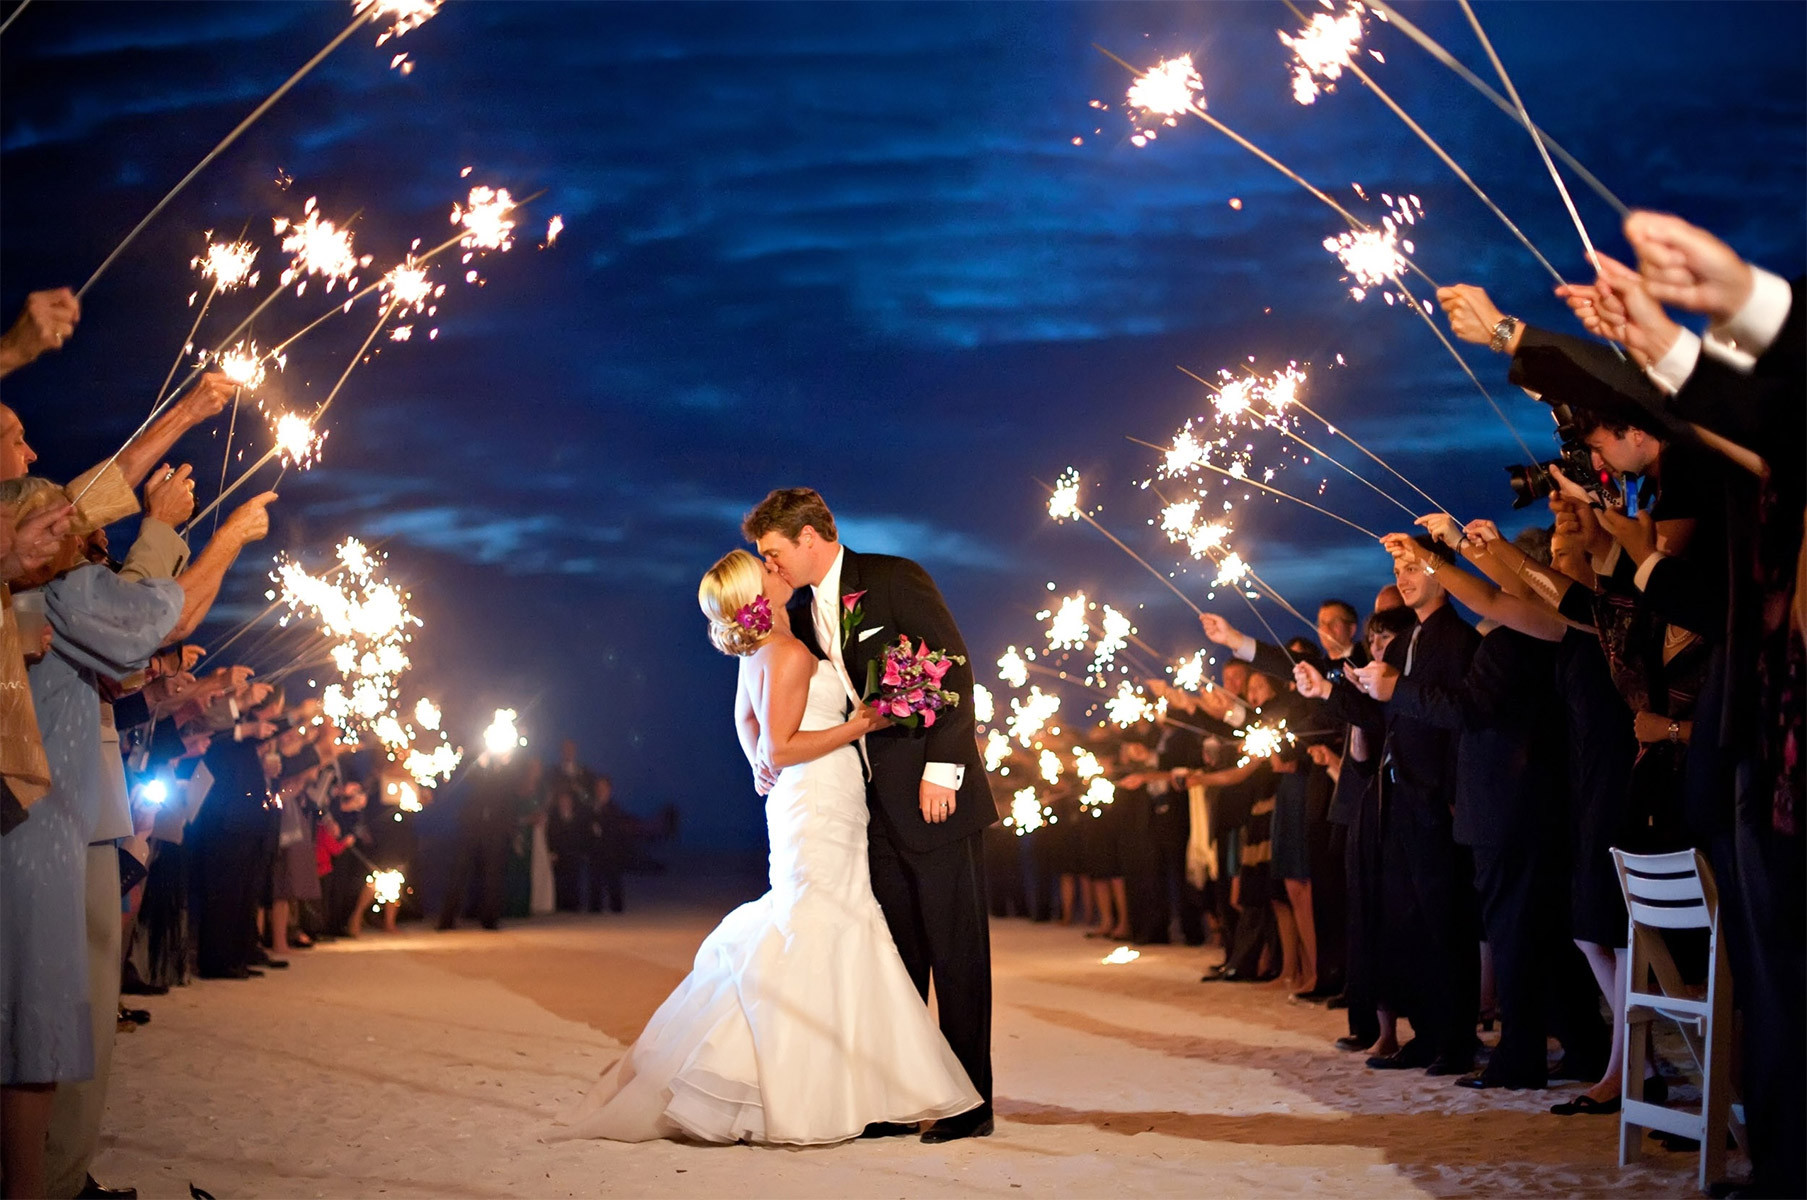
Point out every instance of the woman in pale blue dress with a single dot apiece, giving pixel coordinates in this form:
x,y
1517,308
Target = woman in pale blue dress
x,y
102,626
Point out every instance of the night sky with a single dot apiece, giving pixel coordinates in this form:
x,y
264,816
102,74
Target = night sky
x,y
851,246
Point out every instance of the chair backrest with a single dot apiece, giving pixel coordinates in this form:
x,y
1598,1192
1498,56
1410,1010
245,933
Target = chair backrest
x,y
1668,891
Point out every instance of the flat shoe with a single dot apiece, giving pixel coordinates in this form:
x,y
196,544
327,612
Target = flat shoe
x,y
954,1129
885,1129
1350,1042
1586,1105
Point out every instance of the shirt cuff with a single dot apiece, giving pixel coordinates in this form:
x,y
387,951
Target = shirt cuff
x,y
1604,567
947,775
1646,568
1753,328
1244,651
1672,370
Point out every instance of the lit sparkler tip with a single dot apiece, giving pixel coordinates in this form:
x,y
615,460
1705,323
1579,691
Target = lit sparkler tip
x,y
1026,811
243,365
984,707
1028,715
1012,669
1050,766
1128,706
228,264
502,737
1063,505
1178,519
1322,50
486,220
402,15
1169,88
554,227
1263,741
1067,625
1231,569
997,749
297,443
318,247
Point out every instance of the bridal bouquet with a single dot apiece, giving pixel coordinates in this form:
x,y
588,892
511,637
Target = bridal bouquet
x,y
905,684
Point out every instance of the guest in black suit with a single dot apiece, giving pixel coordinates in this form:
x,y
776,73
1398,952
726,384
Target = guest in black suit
x,y
493,789
1431,971
927,787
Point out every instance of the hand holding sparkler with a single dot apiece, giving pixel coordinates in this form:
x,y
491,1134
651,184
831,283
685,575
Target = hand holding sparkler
x,y
1441,526
1474,317
169,497
1376,679
46,322
1221,631
1643,327
1688,267
1310,682
1636,534
31,544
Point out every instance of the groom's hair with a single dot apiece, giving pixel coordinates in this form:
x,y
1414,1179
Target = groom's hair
x,y
787,511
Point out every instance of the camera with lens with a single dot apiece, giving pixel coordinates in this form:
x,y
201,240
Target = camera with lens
x,y
1533,481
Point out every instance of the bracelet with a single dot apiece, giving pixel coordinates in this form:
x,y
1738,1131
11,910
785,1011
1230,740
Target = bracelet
x,y
1502,333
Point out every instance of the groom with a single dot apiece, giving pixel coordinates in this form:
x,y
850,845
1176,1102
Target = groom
x,y
927,788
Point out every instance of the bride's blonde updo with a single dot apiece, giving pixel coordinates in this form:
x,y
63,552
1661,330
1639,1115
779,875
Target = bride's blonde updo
x,y
732,596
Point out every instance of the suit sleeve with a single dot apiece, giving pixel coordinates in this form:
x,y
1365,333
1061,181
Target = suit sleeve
x,y
1478,701
923,614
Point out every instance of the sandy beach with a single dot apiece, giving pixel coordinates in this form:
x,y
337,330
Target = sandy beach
x,y
432,1064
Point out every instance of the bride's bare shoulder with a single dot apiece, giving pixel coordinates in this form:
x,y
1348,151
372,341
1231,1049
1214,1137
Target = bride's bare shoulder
x,y
781,656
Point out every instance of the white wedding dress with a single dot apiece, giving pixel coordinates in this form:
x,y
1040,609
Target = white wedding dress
x,y
798,1023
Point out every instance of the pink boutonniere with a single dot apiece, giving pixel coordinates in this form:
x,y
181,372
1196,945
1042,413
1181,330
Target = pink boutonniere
x,y
852,613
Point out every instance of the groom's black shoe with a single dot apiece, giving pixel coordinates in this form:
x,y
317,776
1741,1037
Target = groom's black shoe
x,y
977,1123
885,1129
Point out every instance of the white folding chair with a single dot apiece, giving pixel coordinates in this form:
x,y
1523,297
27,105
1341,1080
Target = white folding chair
x,y
1676,891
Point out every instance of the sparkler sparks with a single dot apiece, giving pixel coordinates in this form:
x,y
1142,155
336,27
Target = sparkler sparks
x,y
1099,793
318,247
1178,519
1067,626
487,225
228,264
1374,257
997,749
1189,673
1186,454
1027,814
1116,635
1086,764
502,737
1029,715
408,289
554,227
1012,669
244,366
387,885
1263,741
425,767
407,798
1322,50
403,15
984,707
1129,706
1063,505
1230,570
1049,765
1206,538
297,442
1121,956
1168,89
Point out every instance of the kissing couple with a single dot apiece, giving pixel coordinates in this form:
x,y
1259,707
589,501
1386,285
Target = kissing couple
x,y
804,1020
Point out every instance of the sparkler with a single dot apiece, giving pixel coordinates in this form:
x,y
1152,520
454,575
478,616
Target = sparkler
x,y
1027,813
1030,714
502,737
1067,626
1543,151
387,885
1244,479
984,707
1129,706
366,11
1443,56
1263,741
1012,669
1166,96
1121,956
1063,503
1098,794
997,749
319,248
13,15
1189,673
1049,764
1086,765
1140,561
1326,47
439,764
1115,636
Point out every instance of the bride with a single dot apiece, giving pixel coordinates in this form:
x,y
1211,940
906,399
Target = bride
x,y
798,1023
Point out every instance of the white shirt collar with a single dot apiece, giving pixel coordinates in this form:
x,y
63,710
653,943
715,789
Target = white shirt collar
x,y
828,591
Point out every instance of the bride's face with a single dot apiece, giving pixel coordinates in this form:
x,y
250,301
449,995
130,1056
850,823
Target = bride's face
x,y
776,589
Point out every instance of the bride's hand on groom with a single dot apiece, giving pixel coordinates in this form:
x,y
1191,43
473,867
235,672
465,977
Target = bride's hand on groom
x,y
867,719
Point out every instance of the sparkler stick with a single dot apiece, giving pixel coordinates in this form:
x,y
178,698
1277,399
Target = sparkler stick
x,y
1466,369
1140,561
1276,424
1355,69
244,628
13,15
1436,51
363,18
1275,491
1536,137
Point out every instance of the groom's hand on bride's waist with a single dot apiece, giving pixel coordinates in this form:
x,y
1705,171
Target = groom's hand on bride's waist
x,y
937,802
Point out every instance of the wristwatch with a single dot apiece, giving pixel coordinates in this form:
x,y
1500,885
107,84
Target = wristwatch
x,y
1502,333
1675,732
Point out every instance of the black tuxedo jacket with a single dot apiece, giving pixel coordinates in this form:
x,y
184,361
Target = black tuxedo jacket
x,y
1416,759
900,598
1505,712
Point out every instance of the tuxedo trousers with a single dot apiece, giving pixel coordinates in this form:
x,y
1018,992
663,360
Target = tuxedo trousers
x,y
934,902
1432,934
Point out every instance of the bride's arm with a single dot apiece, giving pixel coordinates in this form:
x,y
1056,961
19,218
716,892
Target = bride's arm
x,y
786,695
746,720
